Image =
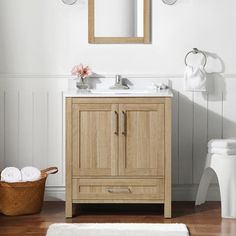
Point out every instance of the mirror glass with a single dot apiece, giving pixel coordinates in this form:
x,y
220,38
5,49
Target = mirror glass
x,y
119,18
119,21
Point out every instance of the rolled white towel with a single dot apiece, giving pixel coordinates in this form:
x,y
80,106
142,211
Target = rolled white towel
x,y
222,143
30,173
222,151
11,175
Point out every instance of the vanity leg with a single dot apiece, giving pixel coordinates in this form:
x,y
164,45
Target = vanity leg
x,y
167,210
167,202
69,207
69,204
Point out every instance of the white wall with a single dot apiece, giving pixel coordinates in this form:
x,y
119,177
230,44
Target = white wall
x,y
40,40
48,37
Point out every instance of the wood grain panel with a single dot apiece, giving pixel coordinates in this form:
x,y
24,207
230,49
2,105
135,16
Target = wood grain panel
x,y
68,107
142,145
115,189
167,165
175,137
95,131
144,149
121,201
94,140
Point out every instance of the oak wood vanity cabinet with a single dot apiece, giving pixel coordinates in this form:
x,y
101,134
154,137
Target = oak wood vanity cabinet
x,y
118,150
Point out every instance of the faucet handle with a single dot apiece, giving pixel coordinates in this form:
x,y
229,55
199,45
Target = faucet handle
x,y
118,79
119,83
161,86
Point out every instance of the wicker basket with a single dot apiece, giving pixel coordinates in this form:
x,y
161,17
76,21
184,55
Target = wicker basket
x,y
24,198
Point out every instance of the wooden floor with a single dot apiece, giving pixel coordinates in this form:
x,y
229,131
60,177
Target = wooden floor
x,y
204,220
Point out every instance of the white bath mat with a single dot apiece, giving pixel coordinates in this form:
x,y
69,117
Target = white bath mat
x,y
117,230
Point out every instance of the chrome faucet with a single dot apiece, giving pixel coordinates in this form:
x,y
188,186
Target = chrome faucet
x,y
119,83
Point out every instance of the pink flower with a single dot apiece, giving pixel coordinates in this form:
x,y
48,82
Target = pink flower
x,y
81,71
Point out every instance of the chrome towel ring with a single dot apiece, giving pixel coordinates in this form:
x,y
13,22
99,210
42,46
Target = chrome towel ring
x,y
169,2
196,51
69,2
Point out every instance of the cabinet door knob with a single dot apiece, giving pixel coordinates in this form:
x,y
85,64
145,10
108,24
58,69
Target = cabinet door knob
x,y
116,123
124,122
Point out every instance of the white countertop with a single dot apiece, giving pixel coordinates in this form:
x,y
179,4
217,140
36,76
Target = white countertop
x,y
151,93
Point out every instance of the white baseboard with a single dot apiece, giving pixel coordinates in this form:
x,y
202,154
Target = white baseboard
x,y
55,194
179,193
189,192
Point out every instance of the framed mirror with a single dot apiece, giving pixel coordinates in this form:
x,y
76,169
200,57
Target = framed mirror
x,y
119,21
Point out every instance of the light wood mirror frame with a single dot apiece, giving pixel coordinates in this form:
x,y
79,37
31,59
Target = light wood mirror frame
x,y
119,40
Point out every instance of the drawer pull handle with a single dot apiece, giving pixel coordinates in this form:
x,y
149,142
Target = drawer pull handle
x,y
116,190
116,123
124,122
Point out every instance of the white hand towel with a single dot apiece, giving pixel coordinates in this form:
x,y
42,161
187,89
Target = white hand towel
x,y
222,143
30,173
195,79
11,175
222,151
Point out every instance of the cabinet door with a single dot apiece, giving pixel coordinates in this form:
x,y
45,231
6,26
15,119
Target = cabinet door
x,y
141,151
94,139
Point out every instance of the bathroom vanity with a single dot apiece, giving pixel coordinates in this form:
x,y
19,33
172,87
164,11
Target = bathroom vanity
x,y
118,149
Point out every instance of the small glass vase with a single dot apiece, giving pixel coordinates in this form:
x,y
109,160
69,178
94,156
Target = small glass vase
x,y
82,84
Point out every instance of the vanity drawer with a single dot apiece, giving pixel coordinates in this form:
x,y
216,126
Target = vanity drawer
x,y
118,189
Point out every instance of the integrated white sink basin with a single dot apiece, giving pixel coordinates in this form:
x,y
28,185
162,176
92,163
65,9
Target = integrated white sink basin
x,y
124,91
